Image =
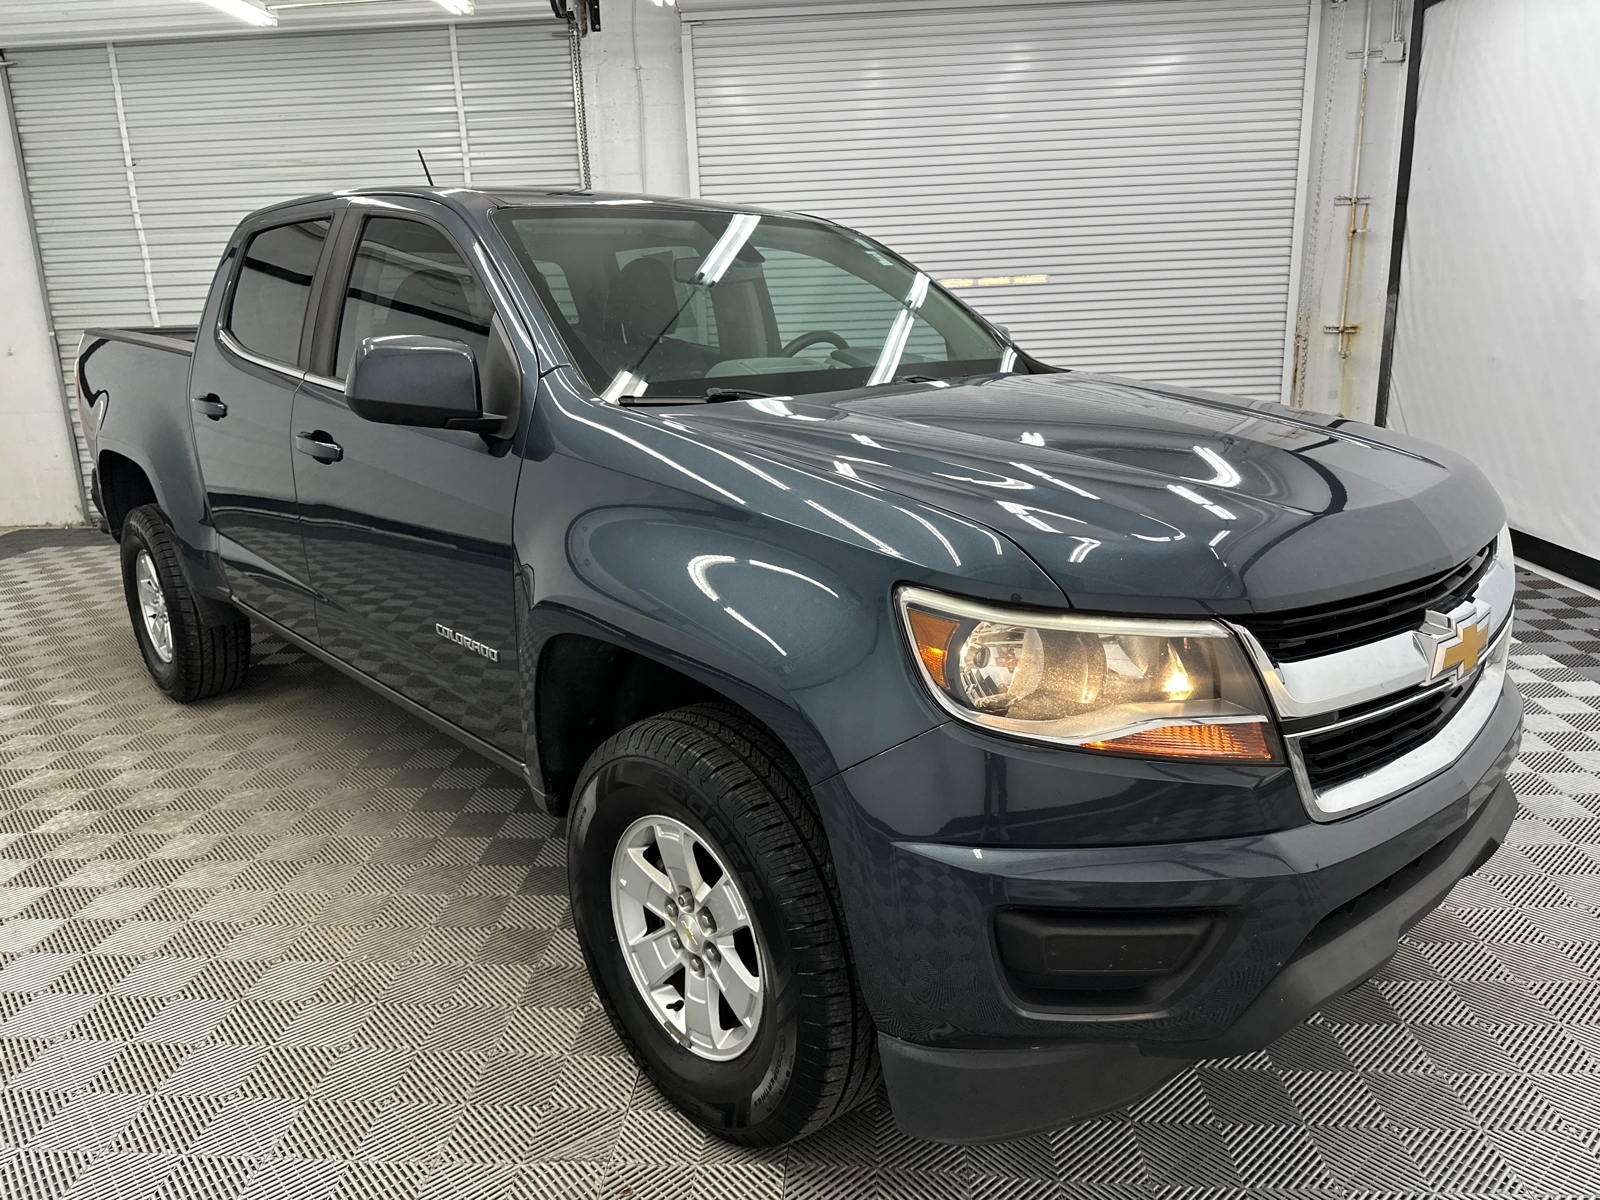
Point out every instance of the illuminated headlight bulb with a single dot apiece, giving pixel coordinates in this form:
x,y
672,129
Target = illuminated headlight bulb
x,y
1178,685
1152,687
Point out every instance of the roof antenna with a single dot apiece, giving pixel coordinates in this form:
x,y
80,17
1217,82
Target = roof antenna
x,y
425,170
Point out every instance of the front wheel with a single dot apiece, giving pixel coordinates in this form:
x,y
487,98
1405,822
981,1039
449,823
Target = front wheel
x,y
704,898
188,658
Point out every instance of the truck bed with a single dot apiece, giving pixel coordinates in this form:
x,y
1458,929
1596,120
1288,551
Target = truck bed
x,y
133,398
177,338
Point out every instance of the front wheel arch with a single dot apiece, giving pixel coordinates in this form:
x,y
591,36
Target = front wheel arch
x,y
586,689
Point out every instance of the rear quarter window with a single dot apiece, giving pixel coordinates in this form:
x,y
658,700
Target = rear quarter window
x,y
274,288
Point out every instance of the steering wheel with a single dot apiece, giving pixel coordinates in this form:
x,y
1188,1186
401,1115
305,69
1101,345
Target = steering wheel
x,y
811,339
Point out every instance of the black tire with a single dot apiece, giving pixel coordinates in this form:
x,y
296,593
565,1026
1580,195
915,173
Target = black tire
x,y
813,1056
205,660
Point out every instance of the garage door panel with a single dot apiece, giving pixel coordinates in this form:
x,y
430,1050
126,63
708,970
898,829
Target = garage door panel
x,y
1143,155
220,127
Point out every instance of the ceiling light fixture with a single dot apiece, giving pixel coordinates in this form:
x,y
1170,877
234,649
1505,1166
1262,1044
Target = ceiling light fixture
x,y
246,10
460,8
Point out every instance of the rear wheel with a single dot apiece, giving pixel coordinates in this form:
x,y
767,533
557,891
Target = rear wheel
x,y
188,659
704,898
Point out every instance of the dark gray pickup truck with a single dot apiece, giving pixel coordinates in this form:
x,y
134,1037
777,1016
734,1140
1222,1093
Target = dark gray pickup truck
x,y
1021,733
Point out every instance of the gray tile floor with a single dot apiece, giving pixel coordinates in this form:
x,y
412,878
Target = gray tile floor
x,y
292,943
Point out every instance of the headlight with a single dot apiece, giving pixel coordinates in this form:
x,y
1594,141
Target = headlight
x,y
1154,688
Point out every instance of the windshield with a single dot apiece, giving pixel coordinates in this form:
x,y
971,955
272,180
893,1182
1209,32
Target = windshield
x,y
660,303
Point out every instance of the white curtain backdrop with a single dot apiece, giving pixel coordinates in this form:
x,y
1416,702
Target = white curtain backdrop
x,y
1497,348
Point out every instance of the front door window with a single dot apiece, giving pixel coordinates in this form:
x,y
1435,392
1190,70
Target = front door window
x,y
409,278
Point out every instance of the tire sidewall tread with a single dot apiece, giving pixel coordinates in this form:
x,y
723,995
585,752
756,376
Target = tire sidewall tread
x,y
770,834
207,660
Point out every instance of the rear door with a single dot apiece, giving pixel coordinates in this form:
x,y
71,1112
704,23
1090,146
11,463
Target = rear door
x,y
408,531
248,363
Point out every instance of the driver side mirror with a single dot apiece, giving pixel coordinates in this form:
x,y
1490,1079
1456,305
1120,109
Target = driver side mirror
x,y
411,379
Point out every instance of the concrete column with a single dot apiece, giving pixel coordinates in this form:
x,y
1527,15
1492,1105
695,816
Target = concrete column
x,y
38,457
633,100
1324,379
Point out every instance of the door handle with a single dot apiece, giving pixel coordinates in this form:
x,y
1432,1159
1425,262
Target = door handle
x,y
208,405
319,445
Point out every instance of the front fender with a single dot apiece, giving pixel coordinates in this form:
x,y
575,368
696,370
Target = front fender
x,y
780,598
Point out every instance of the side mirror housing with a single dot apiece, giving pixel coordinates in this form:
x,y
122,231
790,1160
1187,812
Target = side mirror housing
x,y
410,379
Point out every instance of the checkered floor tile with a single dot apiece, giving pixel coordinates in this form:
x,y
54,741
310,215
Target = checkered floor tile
x,y
291,943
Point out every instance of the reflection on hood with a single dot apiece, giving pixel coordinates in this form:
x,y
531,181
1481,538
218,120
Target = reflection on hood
x,y
1133,497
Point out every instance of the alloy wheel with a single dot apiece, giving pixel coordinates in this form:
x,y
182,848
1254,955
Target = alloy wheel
x,y
153,606
685,931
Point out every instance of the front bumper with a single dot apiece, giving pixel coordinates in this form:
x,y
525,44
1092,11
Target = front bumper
x,y
1314,910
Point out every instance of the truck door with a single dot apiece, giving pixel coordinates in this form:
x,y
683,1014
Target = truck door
x,y
247,366
408,530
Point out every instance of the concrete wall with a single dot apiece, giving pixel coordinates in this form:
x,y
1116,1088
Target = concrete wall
x,y
633,100
38,462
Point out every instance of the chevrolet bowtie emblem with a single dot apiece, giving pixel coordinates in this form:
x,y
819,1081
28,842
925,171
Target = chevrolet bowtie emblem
x,y
1453,645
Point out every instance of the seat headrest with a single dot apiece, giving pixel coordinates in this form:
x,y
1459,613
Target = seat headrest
x,y
426,292
643,303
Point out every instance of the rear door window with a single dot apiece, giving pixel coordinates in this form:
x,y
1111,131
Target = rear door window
x,y
268,311
409,277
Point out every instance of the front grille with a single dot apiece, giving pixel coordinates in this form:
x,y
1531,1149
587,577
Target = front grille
x,y
1326,628
1363,746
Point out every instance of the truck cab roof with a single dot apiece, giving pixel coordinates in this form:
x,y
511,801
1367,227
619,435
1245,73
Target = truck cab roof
x,y
486,199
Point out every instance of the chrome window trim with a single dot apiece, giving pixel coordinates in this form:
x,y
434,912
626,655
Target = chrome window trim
x,y
1401,774
1313,686
226,336
232,345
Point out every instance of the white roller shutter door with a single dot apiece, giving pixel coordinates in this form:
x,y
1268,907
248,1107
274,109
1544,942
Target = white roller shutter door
x,y
1140,155
216,128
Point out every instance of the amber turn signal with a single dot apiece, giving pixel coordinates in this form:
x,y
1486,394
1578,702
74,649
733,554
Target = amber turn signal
x,y
1245,742
933,636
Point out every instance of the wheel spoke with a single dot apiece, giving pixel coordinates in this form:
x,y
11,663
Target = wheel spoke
x,y
739,988
655,956
669,1007
677,853
727,906
700,1010
644,884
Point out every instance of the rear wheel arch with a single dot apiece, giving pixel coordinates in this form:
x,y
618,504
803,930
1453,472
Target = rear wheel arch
x,y
124,486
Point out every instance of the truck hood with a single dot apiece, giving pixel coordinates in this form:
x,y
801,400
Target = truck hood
x,y
1134,497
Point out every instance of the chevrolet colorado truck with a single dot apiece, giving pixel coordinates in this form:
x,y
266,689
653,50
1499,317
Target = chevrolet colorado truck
x,y
915,709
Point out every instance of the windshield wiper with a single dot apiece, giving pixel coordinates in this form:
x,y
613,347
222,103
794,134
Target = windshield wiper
x,y
713,395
